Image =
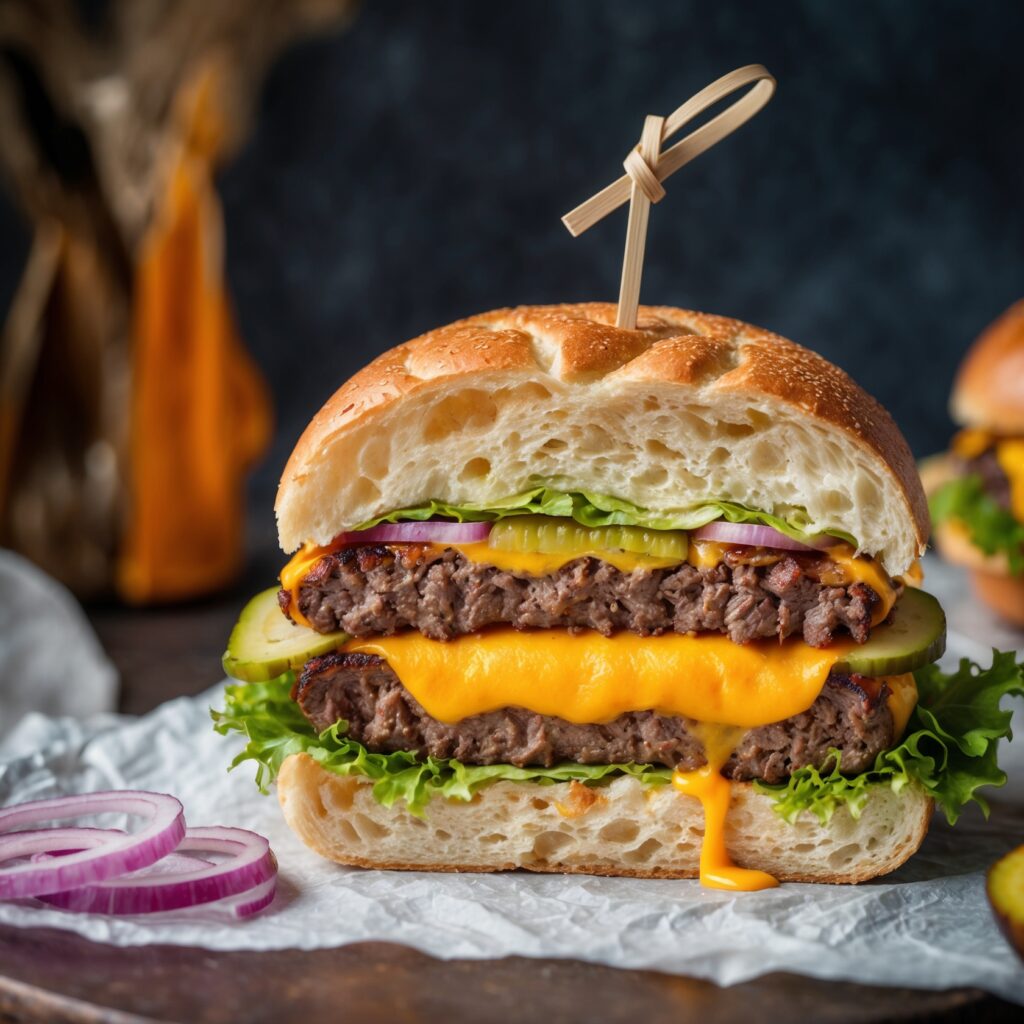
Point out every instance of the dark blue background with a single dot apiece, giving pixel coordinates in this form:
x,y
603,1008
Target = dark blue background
x,y
414,168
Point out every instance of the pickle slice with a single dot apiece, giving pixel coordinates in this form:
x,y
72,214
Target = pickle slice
x,y
548,535
265,642
915,637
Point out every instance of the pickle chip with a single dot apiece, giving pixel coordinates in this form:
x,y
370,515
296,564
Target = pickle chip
x,y
551,536
265,643
916,636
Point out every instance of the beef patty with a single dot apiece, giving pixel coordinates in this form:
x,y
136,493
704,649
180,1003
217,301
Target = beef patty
x,y
380,589
851,714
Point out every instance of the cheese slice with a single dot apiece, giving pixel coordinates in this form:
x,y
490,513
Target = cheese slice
x,y
295,572
590,678
971,442
705,554
902,701
1011,459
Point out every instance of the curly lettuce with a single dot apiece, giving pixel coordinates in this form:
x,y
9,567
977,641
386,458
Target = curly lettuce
x,y
949,750
591,509
992,528
276,728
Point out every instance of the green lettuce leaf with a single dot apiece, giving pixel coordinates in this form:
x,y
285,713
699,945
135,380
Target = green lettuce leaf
x,y
992,528
276,728
601,510
949,748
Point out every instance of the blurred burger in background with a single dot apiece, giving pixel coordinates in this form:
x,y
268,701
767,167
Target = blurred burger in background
x,y
976,490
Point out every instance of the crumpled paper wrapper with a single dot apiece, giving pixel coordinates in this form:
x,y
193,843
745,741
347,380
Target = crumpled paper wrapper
x,y
928,925
45,641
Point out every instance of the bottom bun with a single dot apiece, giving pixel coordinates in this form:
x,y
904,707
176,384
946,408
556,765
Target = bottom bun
x,y
623,828
993,582
1003,594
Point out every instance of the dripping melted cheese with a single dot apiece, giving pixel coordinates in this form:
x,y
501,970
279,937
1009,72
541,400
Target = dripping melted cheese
x,y
713,790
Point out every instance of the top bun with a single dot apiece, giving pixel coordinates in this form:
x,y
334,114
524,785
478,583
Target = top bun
x,y
687,407
989,388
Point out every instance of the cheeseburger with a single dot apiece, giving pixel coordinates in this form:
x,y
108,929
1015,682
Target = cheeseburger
x,y
978,493
570,597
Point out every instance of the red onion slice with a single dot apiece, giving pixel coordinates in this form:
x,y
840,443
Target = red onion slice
x,y
116,855
250,867
753,535
253,901
429,532
78,839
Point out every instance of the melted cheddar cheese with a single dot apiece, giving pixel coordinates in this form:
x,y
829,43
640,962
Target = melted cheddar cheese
x,y
593,678
971,442
705,554
292,575
713,790
869,572
902,700
1011,460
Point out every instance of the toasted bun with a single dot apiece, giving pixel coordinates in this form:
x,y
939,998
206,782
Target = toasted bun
x,y
624,828
954,543
685,408
989,387
1003,594
990,574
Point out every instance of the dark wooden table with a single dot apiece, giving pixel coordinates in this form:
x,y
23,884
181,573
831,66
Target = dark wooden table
x,y
48,975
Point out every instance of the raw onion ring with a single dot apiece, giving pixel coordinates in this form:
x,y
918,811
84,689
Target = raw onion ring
x,y
117,855
251,867
754,535
429,532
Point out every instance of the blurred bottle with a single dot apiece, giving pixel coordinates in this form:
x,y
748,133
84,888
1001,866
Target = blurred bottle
x,y
200,412
130,410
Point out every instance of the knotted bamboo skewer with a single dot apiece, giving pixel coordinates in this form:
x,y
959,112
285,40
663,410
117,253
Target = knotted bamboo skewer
x,y
647,166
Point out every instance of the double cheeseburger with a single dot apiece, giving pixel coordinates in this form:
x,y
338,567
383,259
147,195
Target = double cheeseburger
x,y
977,491
570,597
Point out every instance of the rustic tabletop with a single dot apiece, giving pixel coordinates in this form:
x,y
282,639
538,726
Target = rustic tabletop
x,y
47,975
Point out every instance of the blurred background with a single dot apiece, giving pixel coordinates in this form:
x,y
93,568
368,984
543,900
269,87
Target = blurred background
x,y
216,211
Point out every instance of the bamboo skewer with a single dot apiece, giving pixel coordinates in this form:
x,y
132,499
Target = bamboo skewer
x,y
647,167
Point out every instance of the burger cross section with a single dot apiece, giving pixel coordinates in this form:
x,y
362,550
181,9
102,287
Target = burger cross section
x,y
571,597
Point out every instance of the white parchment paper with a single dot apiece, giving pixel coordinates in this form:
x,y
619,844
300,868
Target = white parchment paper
x,y
927,925
34,668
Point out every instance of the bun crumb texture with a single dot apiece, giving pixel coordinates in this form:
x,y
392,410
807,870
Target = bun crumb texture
x,y
687,407
624,828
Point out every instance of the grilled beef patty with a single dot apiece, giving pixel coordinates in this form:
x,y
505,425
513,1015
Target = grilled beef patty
x,y
850,714
380,589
